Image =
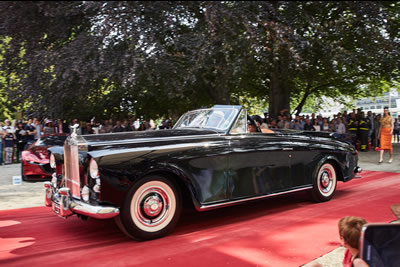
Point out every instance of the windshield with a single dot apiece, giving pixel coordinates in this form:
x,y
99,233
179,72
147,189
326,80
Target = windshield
x,y
51,140
215,118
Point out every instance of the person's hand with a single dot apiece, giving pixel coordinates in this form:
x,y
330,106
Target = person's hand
x,y
360,263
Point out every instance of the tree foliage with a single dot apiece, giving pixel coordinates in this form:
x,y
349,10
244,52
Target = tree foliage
x,y
121,58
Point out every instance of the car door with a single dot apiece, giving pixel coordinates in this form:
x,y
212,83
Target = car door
x,y
259,164
307,153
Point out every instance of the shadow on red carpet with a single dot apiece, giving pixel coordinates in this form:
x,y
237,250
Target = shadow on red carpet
x,y
284,231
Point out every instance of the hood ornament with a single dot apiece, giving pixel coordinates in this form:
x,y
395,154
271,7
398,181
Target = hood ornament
x,y
74,130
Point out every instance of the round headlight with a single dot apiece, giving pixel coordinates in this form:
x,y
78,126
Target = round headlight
x,y
52,161
93,169
85,193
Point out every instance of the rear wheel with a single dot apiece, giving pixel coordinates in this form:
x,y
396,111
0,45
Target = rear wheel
x,y
151,208
324,183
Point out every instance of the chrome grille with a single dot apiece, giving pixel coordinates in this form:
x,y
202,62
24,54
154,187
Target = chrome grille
x,y
71,165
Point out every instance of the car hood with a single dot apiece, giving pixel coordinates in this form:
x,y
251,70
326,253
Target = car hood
x,y
142,136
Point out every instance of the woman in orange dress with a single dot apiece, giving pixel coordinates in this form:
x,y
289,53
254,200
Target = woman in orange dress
x,y
386,134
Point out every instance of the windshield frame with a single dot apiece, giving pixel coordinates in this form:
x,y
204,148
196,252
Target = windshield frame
x,y
231,119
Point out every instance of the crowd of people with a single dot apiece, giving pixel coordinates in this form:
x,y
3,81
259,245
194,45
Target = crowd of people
x,y
16,136
365,130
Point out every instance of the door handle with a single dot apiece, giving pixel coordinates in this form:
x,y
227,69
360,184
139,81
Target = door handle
x,y
287,149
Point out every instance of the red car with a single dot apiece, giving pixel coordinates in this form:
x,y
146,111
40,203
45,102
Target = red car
x,y
35,159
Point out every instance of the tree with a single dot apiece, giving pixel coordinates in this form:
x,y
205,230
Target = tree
x,y
117,58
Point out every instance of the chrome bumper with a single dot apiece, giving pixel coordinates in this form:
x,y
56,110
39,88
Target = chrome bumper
x,y
358,170
64,205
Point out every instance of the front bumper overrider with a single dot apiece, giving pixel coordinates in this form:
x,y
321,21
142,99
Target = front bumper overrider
x,y
64,205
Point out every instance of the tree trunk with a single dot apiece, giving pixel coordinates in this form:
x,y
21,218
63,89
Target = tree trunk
x,y
279,93
299,107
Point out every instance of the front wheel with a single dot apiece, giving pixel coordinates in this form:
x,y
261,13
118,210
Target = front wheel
x,y
151,208
324,183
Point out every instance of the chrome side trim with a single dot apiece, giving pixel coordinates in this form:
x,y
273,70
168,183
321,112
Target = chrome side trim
x,y
234,202
172,147
149,140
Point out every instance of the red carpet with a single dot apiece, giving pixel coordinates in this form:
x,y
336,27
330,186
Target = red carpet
x,y
284,231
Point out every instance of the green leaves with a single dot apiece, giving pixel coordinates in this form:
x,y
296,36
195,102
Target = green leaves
x,y
131,58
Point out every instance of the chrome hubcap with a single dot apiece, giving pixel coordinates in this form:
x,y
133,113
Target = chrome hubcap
x,y
152,205
325,179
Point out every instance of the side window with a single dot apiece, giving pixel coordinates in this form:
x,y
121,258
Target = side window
x,y
240,125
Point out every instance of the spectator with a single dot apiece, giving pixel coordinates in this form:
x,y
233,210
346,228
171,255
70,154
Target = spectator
x,y
62,127
308,126
142,127
377,123
283,122
317,126
152,125
30,133
274,124
118,128
350,228
20,133
296,124
340,128
352,127
89,129
127,126
325,125
364,126
371,134
107,128
137,124
9,141
396,130
38,128
350,231
8,126
332,125
48,127
163,125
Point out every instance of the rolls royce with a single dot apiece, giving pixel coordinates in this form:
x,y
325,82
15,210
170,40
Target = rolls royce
x,y
141,178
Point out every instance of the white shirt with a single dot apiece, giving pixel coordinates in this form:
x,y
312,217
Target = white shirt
x,y
340,128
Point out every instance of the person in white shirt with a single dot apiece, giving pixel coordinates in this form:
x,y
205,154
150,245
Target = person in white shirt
x,y
340,128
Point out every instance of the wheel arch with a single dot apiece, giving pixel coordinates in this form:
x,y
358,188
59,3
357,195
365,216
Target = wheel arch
x,y
182,181
335,163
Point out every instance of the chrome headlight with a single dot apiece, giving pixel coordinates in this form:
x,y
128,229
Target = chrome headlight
x,y
52,161
94,169
85,193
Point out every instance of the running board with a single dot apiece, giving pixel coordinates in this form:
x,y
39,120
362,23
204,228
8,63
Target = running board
x,y
234,202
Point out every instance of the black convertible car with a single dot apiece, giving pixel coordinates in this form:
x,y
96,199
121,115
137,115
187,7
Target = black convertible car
x,y
141,178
